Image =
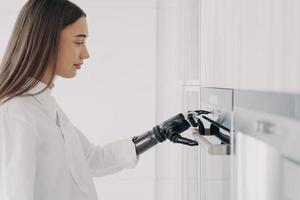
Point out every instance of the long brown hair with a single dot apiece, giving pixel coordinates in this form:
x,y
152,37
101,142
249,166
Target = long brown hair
x,y
33,45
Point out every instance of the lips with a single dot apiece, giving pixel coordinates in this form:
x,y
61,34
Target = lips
x,y
78,66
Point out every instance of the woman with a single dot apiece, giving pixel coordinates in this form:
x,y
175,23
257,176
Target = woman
x,y
43,156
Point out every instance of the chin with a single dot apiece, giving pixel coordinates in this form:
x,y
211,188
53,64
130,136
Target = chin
x,y
70,75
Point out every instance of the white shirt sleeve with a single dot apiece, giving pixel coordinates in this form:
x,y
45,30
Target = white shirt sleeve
x,y
18,154
110,158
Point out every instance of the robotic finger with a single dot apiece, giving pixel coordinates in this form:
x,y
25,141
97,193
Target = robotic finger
x,y
194,119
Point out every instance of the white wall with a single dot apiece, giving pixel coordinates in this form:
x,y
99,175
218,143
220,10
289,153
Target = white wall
x,y
8,13
120,78
113,95
169,100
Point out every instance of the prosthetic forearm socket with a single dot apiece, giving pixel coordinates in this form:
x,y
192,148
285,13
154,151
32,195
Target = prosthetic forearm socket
x,y
145,141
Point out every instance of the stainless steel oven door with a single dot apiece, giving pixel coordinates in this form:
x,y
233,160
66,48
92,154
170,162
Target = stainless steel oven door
x,y
266,151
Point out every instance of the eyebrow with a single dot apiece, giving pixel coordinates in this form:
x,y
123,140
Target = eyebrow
x,y
81,36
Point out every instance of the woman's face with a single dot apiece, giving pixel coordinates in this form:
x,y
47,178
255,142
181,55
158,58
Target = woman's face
x,y
72,50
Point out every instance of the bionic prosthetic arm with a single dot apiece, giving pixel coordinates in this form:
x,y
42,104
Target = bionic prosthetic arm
x,y
169,129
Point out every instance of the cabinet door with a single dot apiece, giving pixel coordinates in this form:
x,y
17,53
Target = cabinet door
x,y
218,43
291,180
258,169
250,44
188,40
269,45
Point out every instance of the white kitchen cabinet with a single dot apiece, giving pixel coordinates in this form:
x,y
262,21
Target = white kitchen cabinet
x,y
258,170
216,190
188,30
116,3
218,47
269,45
291,180
251,45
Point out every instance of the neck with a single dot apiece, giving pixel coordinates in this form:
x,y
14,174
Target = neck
x,y
47,79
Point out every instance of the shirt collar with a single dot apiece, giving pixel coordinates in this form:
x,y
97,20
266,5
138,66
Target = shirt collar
x,y
45,95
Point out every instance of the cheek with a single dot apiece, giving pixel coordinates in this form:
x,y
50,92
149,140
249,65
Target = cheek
x,y
66,57
65,60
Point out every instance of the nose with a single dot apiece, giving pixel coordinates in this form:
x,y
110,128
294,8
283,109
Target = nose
x,y
85,53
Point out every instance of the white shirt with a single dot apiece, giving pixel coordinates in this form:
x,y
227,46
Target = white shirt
x,y
44,157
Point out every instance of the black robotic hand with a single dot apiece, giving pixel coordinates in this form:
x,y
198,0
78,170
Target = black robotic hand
x,y
171,129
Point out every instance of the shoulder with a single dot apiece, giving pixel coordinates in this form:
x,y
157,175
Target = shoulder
x,y
17,121
23,107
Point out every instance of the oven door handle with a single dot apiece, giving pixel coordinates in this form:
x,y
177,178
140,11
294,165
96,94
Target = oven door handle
x,y
213,149
214,130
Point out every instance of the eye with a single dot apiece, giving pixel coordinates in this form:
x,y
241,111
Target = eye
x,y
79,43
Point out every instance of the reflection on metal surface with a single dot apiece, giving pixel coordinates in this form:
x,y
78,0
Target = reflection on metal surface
x,y
282,133
282,104
264,127
267,133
